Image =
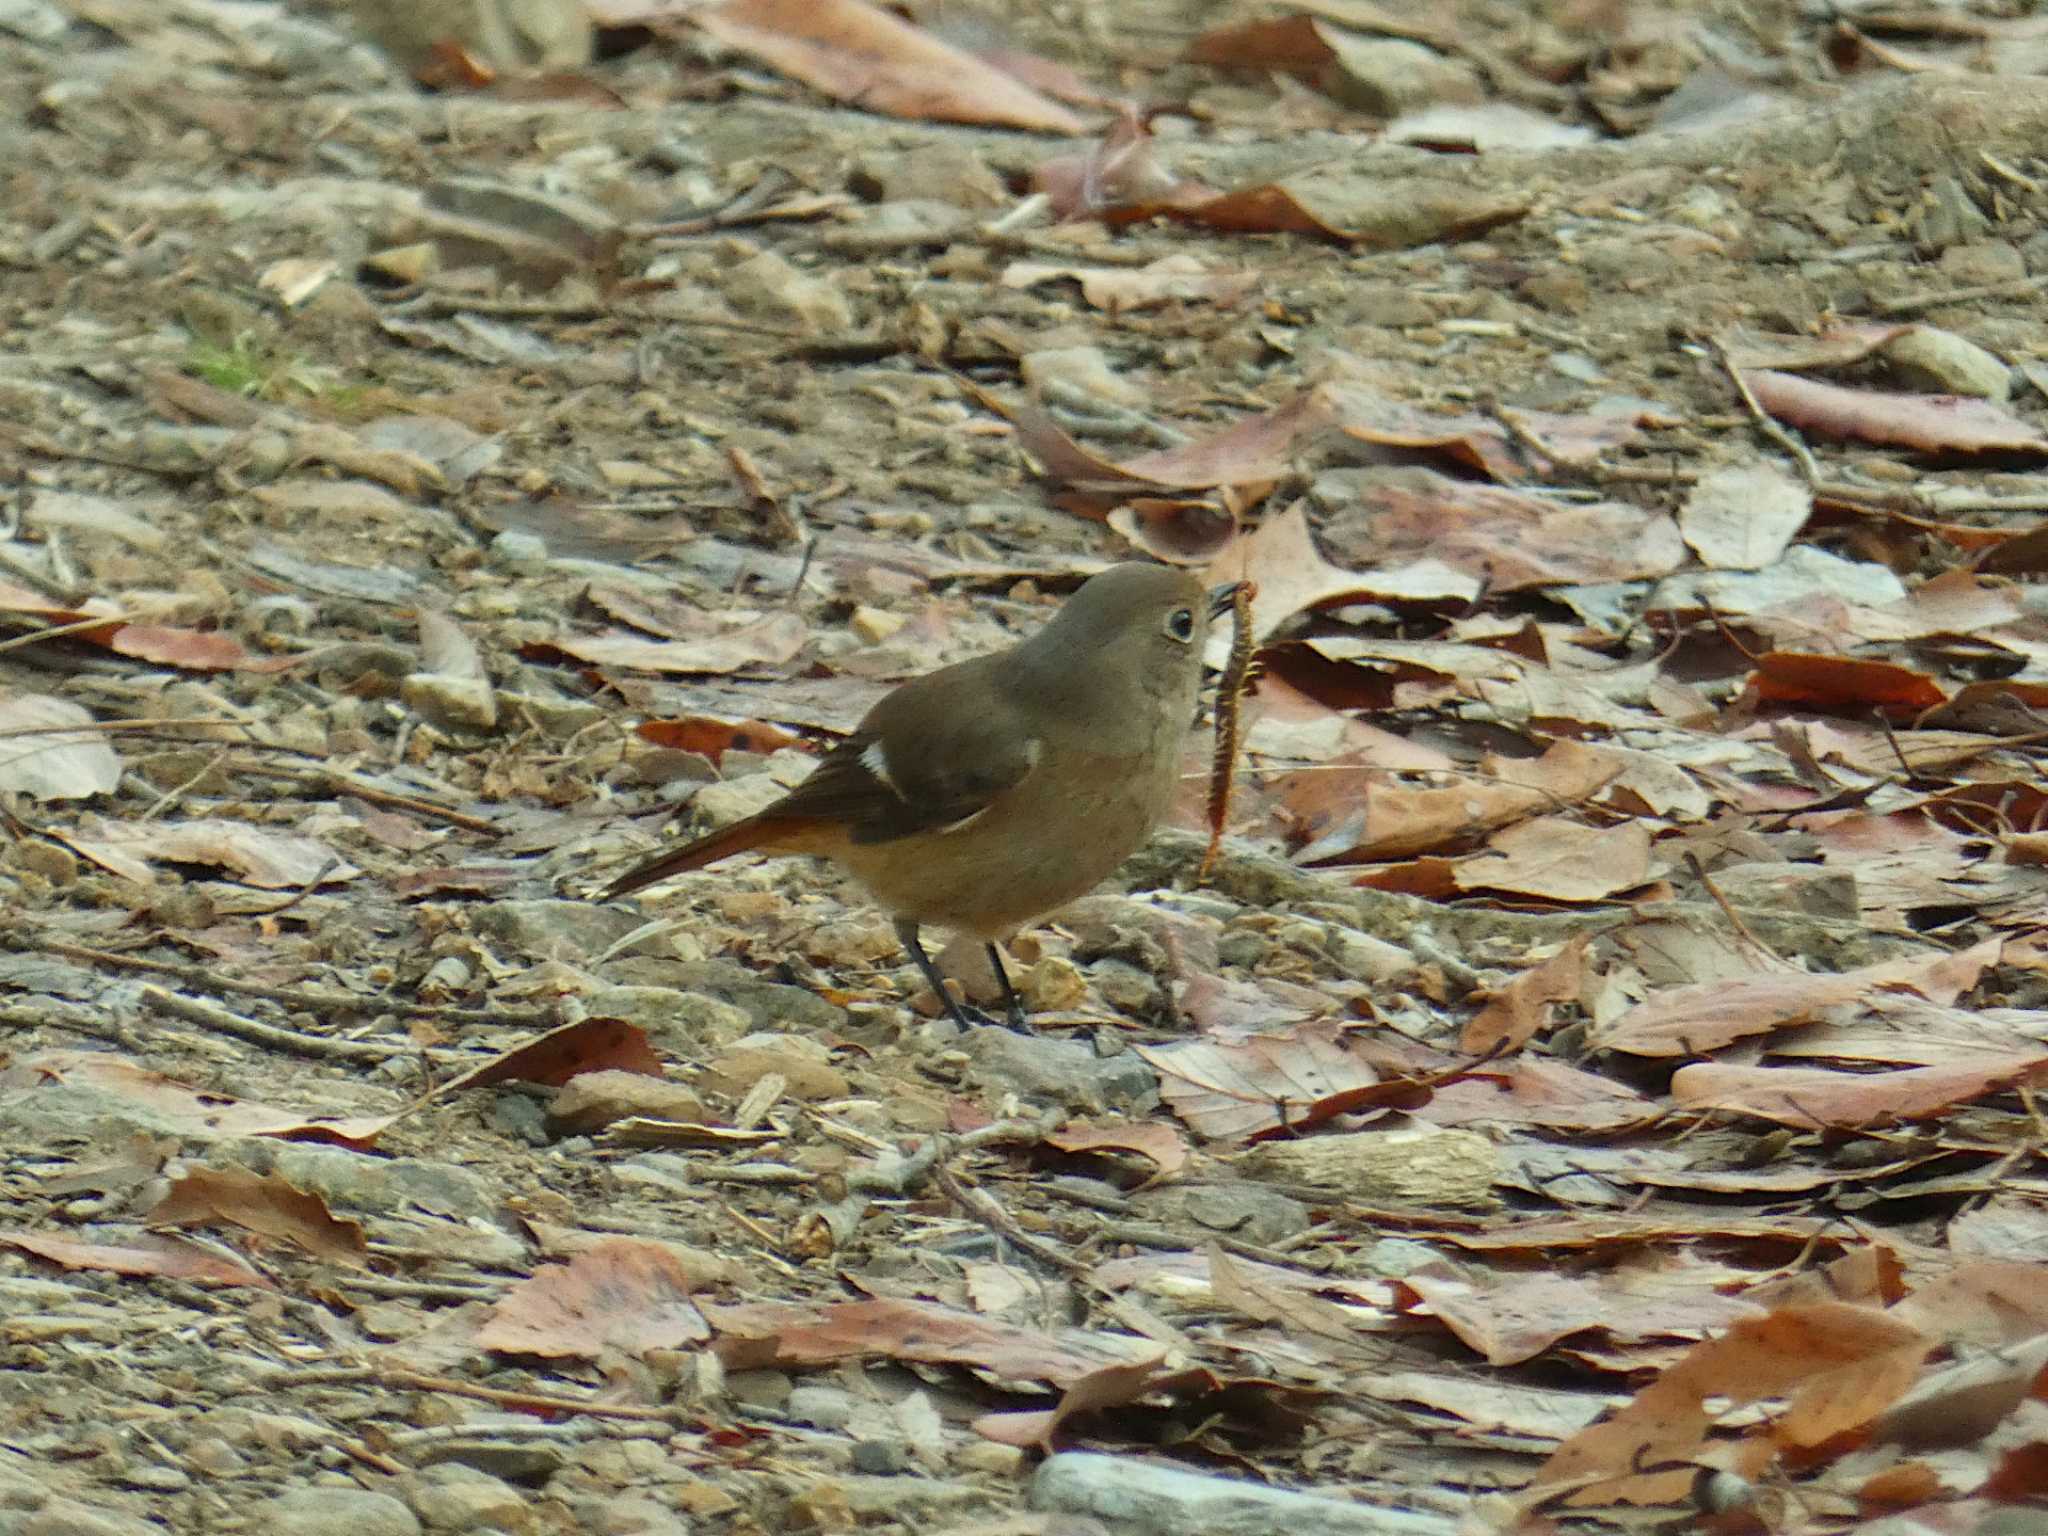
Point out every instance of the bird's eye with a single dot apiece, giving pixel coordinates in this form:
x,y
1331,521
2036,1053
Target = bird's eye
x,y
1180,625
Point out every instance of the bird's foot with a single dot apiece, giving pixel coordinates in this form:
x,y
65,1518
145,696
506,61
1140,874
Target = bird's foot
x,y
967,1016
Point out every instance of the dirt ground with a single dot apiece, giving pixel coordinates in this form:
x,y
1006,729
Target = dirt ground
x,y
420,503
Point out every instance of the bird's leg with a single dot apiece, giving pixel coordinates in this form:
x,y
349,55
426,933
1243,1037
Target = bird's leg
x,y
1013,1005
906,934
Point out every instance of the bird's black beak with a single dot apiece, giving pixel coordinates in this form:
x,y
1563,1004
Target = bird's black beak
x,y
1222,599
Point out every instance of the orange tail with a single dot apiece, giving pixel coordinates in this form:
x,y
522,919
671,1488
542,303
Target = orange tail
x,y
765,831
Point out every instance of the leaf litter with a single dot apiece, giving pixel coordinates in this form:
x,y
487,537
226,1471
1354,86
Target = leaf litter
x,y
1639,811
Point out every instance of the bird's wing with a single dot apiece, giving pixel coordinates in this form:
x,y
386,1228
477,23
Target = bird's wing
x,y
913,769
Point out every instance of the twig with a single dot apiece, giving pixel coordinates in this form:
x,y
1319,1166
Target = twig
x,y
337,778
1766,423
308,999
1699,873
214,1017
2014,288
984,1208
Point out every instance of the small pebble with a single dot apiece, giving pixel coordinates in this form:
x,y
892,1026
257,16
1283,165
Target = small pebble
x,y
334,1512
820,1407
881,1458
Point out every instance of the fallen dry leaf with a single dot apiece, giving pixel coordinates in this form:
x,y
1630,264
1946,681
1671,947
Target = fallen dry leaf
x,y
167,1257
265,1203
42,760
1699,1017
1843,1365
258,856
1523,1009
1926,423
1264,1084
625,1294
1818,1100
861,54
1149,1139
588,1045
1844,683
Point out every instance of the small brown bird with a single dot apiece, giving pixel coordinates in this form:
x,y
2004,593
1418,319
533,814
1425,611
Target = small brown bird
x,y
984,795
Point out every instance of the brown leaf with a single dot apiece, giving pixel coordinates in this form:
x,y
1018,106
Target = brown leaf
x,y
1704,1016
1843,1364
1538,1092
194,650
259,856
1523,1009
1400,820
857,53
1111,1386
769,641
1234,1090
1281,558
1818,1100
1255,449
1926,423
588,1045
265,1203
1484,443
711,738
1179,532
169,1258
1512,1317
1508,539
1844,683
1157,1401
624,1294
1558,859
1340,204
1120,170
1148,1138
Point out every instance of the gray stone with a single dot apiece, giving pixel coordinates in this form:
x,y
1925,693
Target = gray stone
x,y
768,1004
1036,1066
520,552
361,1182
530,1461
558,218
450,702
1166,1501
1394,1257
21,1488
820,1407
334,1512
1389,76
455,1497
685,1023
769,288
1251,1213
900,226
881,1458
556,930
1926,358
63,1517
524,1119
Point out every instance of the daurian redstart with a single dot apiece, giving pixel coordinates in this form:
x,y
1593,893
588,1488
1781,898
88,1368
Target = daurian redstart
x,y
984,795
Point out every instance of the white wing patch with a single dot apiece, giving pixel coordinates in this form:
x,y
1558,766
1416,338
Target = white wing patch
x,y
876,761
